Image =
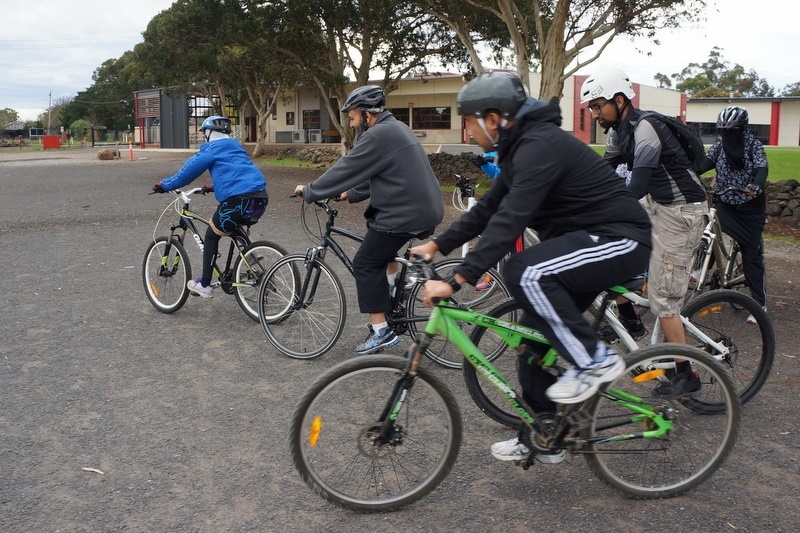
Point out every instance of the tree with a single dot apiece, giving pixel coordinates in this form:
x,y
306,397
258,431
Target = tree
x,y
792,89
182,46
551,34
714,78
336,41
8,115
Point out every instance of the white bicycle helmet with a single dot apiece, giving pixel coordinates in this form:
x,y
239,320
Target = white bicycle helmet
x,y
606,84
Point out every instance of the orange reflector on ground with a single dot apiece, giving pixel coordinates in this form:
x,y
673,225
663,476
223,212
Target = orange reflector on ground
x,y
647,376
315,427
708,310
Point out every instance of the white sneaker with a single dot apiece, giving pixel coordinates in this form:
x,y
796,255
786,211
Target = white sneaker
x,y
578,385
751,319
514,450
195,286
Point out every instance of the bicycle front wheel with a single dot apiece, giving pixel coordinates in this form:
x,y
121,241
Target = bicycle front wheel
x,y
250,267
165,272
747,350
334,429
486,396
301,307
478,298
622,457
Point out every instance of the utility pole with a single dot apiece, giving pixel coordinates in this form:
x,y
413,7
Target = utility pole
x,y
49,110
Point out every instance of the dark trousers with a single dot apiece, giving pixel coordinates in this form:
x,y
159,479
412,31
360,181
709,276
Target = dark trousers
x,y
369,267
745,224
555,282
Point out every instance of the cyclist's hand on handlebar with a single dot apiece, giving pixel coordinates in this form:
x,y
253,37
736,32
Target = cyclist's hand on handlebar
x,y
158,188
207,188
342,197
753,190
426,249
434,291
478,161
298,191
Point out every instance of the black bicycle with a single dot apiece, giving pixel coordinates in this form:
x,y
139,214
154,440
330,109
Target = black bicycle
x,y
166,268
302,306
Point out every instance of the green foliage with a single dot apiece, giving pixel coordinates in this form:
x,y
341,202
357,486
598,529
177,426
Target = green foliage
x,y
80,128
8,115
715,78
792,89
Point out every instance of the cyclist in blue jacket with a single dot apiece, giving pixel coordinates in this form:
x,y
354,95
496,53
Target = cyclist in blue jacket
x,y
238,185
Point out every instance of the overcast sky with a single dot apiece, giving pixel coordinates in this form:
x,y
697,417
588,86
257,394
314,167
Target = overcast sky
x,y
52,47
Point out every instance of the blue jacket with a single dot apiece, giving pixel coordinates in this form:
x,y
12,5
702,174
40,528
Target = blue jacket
x,y
489,168
232,171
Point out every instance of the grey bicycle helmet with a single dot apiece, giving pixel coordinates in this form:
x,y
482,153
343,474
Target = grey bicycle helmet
x,y
216,123
607,84
733,117
369,98
492,91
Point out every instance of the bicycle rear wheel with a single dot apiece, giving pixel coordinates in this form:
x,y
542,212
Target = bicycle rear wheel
x,y
670,465
485,395
334,428
749,348
307,328
250,267
165,272
469,297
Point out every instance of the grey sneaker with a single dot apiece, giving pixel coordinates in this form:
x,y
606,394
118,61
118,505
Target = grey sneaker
x,y
195,286
376,342
514,450
578,385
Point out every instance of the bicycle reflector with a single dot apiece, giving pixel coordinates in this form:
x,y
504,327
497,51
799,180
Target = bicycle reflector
x,y
708,310
313,436
647,376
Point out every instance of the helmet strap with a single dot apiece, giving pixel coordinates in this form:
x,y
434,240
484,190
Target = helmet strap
x,y
494,138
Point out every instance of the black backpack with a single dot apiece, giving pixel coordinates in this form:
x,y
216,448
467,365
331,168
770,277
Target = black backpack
x,y
691,144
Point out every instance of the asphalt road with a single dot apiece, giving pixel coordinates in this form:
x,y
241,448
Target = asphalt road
x,y
181,420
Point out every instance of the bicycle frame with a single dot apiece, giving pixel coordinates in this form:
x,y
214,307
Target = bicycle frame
x,y
720,350
239,239
714,246
443,321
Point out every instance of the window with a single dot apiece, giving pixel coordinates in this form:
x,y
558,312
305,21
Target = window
x,y
431,118
311,119
401,114
290,118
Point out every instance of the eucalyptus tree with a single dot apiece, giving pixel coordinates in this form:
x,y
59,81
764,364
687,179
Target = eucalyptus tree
x,y
560,37
336,42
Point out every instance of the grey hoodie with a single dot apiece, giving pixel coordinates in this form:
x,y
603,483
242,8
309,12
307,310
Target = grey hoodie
x,y
389,166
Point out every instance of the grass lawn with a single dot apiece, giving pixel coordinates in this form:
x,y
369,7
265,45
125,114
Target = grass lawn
x,y
784,162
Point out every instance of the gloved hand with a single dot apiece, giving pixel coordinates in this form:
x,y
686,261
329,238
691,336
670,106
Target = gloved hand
x,y
754,189
207,188
158,188
478,161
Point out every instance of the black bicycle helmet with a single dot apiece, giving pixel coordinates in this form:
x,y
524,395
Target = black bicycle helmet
x,y
370,98
216,123
492,91
733,117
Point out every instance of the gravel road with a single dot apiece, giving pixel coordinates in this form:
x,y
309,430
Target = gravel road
x,y
117,417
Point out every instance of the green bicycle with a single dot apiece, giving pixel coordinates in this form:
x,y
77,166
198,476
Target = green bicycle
x,y
377,433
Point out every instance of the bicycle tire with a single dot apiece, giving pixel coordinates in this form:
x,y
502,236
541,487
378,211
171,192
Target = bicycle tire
x,y
646,468
737,280
166,289
441,351
254,261
721,315
344,405
301,330
483,393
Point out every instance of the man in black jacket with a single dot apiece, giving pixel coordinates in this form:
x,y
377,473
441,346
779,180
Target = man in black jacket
x,y
594,235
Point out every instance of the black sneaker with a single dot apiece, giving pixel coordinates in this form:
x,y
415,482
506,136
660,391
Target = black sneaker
x,y
680,385
634,327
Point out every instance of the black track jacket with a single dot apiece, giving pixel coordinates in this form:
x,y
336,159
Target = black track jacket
x,y
549,181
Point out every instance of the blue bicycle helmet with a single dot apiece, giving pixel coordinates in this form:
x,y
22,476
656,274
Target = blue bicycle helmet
x,y
216,123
